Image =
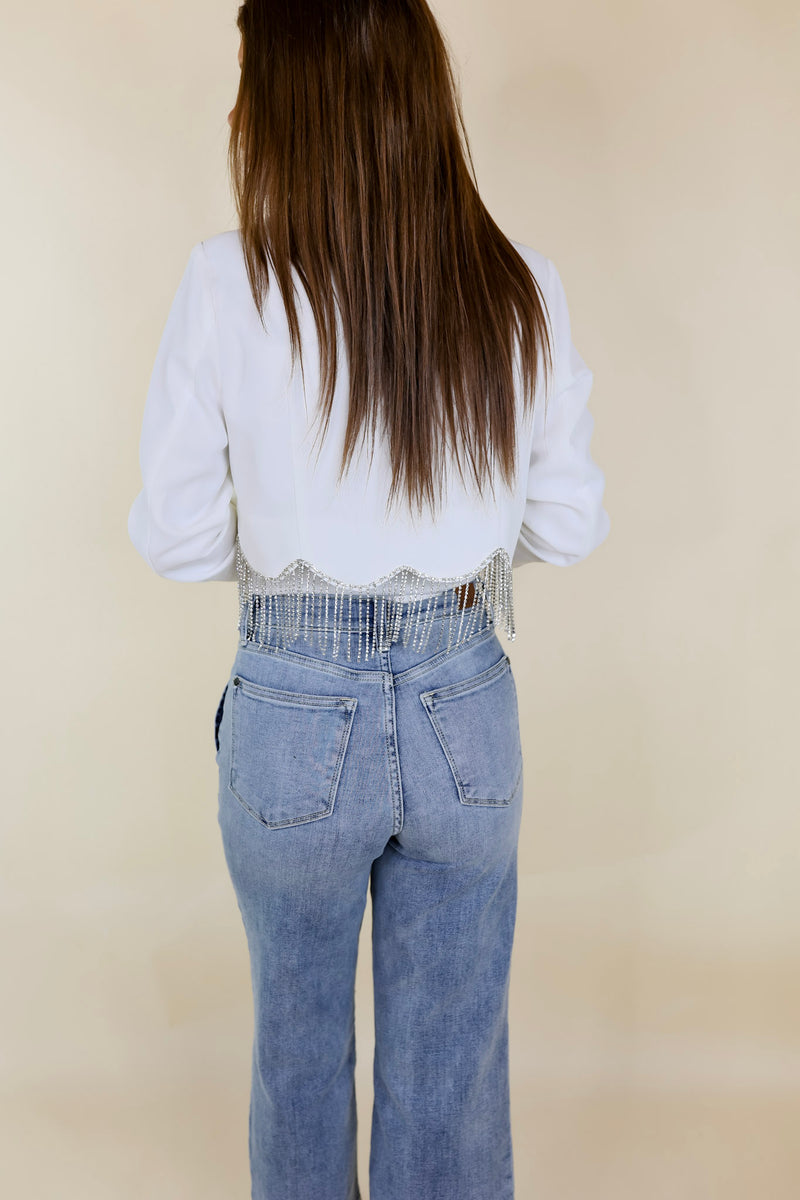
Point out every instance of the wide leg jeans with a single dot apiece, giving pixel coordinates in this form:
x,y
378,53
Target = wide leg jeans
x,y
402,774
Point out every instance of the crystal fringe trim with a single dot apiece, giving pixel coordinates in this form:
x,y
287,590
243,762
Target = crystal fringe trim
x,y
302,601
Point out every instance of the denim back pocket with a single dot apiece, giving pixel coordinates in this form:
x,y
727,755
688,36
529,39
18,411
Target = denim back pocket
x,y
477,723
287,751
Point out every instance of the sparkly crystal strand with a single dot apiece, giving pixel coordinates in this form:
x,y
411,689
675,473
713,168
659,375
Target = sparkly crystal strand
x,y
463,611
374,623
240,579
341,613
394,612
458,616
427,621
402,624
440,623
490,588
410,610
304,584
484,602
420,622
390,610
377,600
431,617
364,614
387,621
398,612
473,615
480,604
243,586
418,603
498,592
369,615
440,598
409,613
511,628
360,628
337,610
503,590
314,622
445,611
467,614
332,626
393,609
391,614
477,604
367,611
325,621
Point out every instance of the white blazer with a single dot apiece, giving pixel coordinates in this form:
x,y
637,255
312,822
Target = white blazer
x,y
231,489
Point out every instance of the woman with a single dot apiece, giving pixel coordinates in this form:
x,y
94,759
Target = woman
x,y
368,735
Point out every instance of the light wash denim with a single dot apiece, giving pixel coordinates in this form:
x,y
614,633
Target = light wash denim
x,y
402,772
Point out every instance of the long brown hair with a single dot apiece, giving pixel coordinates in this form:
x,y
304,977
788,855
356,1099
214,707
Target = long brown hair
x,y
347,164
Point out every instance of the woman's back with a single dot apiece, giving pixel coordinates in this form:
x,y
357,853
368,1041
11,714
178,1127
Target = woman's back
x,y
235,486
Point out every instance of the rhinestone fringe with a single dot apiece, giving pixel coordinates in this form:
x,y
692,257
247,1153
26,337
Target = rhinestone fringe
x,y
304,602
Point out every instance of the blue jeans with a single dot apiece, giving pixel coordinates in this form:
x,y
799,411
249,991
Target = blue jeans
x,y
402,773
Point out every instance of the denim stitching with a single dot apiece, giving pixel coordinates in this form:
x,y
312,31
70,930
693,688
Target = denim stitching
x,y
463,688
348,705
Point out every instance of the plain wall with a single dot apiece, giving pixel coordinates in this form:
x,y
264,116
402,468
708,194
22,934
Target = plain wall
x,y
651,152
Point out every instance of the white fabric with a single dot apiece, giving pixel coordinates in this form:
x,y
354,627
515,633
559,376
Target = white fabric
x,y
227,444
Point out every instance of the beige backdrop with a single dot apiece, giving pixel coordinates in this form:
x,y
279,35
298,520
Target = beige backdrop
x,y
650,150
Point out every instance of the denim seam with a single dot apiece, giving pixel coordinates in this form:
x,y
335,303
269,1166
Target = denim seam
x,y
463,687
290,699
411,674
315,664
390,728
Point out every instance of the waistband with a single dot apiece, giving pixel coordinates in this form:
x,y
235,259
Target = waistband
x,y
355,622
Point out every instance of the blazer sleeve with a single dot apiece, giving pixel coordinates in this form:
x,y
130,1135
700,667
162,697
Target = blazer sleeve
x,y
564,516
183,522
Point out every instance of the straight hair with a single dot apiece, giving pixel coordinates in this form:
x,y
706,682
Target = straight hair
x,y
350,164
